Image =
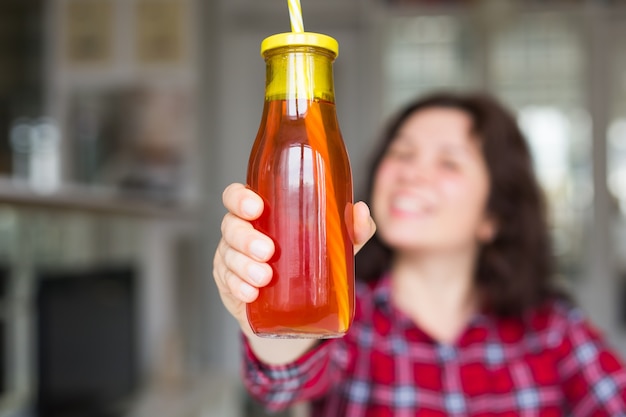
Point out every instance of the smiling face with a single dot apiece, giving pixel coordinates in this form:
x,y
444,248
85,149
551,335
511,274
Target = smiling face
x,y
431,186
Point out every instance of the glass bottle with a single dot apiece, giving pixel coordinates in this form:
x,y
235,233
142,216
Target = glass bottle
x,y
299,165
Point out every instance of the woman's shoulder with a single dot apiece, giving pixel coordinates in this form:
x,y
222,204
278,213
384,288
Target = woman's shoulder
x,y
560,308
576,341
559,321
554,312
543,326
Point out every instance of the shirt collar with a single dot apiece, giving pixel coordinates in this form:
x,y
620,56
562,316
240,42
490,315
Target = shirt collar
x,y
381,297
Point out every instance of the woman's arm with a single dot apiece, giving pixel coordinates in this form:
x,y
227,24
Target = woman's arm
x,y
278,387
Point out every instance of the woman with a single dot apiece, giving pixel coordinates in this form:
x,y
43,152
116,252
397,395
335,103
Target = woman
x,y
456,310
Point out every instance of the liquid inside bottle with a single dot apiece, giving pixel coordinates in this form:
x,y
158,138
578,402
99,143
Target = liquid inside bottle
x,y
300,167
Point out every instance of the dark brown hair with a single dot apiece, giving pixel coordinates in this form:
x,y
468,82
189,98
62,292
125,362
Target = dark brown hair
x,y
514,270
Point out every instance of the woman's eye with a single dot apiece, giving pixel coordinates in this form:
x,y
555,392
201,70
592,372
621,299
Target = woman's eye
x,y
401,154
449,164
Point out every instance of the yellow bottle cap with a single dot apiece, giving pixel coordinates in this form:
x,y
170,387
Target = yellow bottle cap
x,y
300,39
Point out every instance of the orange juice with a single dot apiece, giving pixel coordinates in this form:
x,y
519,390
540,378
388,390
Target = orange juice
x,y
300,167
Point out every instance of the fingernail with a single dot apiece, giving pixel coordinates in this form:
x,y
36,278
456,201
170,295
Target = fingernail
x,y
247,290
257,274
250,207
260,249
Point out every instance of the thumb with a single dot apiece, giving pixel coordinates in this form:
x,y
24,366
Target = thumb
x,y
364,226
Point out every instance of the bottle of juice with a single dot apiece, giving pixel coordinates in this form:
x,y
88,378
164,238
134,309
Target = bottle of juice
x,y
300,167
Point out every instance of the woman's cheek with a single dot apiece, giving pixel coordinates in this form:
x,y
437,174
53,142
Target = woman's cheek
x,y
383,178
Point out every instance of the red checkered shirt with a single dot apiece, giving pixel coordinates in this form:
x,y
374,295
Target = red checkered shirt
x,y
550,363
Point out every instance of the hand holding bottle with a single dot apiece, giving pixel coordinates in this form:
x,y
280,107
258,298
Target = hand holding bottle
x,y
240,265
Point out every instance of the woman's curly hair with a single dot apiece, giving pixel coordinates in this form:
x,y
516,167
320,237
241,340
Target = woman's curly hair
x,y
515,270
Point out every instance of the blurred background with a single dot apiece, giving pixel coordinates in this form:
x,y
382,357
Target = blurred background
x,y
121,121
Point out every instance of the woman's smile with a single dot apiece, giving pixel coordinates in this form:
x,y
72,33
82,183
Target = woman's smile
x,y
411,205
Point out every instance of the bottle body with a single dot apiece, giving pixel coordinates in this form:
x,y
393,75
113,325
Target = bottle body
x,y
299,165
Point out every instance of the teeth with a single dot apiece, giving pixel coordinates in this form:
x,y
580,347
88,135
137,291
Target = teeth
x,y
409,204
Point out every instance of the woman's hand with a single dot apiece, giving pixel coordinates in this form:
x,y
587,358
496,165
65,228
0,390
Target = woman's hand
x,y
240,265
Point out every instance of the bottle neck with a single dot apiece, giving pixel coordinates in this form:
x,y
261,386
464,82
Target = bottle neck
x,y
301,73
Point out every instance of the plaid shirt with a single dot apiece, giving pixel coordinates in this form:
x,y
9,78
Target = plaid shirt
x,y
551,363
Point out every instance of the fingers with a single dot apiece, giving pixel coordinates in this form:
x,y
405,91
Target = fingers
x,y
242,237
251,272
233,285
364,226
237,276
242,202
242,256
240,263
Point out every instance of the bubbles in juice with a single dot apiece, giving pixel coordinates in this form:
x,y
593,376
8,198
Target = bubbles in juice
x,y
300,167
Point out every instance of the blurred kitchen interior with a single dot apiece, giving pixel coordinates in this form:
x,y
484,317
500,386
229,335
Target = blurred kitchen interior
x,y
121,121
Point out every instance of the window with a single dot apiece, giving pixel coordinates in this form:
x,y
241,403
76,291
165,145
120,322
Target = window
x,y
424,53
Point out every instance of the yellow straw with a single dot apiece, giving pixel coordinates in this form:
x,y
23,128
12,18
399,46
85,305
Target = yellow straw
x,y
295,15
336,256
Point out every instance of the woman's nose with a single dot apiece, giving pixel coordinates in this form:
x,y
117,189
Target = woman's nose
x,y
416,169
